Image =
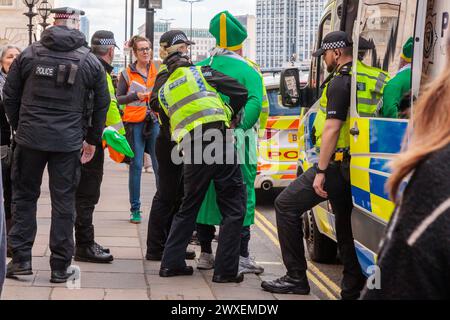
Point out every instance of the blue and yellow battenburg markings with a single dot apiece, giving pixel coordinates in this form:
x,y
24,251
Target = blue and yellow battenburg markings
x,y
378,141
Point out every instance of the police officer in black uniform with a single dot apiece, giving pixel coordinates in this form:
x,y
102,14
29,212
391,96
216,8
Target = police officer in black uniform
x,y
169,194
46,101
88,192
328,180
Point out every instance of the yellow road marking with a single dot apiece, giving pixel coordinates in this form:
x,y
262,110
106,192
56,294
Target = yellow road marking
x,y
324,277
321,287
318,284
266,221
274,239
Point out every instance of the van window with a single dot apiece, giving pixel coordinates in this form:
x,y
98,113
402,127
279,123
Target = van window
x,y
383,77
319,71
276,108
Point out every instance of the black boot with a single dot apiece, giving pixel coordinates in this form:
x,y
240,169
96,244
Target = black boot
x,y
228,279
92,254
15,269
101,248
60,276
190,255
286,285
167,273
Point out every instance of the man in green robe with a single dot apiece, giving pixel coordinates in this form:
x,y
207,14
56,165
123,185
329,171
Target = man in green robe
x,y
399,86
228,58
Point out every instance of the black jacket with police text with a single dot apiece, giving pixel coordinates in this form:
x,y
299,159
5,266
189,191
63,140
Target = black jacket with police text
x,y
49,129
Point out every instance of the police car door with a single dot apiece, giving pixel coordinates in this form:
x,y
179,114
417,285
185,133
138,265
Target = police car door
x,y
388,24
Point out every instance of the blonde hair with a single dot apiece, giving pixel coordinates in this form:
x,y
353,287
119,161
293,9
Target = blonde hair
x,y
430,131
165,52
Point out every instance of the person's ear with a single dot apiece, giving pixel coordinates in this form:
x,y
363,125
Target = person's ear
x,y
337,54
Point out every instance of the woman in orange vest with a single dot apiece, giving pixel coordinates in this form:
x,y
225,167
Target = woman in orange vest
x,y
134,90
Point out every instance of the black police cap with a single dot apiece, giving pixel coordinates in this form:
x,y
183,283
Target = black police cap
x,y
173,37
67,13
334,40
103,38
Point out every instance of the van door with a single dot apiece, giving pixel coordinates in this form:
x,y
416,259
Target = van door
x,y
387,25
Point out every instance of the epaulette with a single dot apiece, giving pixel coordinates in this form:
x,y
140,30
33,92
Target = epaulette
x,y
346,70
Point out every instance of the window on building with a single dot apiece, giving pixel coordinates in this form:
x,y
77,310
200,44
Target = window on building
x,y
7,3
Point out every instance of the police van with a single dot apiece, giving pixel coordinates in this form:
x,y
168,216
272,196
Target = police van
x,y
278,143
374,141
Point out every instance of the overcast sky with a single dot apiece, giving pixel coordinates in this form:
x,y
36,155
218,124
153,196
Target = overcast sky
x,y
110,14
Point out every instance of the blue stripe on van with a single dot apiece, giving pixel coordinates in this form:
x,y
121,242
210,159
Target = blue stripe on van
x,y
361,198
377,185
386,136
380,165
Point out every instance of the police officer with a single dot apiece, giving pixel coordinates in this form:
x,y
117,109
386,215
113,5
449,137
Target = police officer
x,y
169,193
45,100
190,98
88,192
328,180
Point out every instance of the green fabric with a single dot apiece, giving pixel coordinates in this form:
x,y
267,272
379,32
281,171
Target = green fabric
x,y
394,92
205,105
236,67
117,141
235,33
408,48
113,117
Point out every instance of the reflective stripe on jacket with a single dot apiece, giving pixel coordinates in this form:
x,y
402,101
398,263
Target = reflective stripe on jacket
x,y
190,101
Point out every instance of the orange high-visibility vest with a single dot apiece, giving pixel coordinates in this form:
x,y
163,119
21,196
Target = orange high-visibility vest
x,y
136,111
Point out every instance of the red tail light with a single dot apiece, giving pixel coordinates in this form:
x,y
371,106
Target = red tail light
x,y
270,133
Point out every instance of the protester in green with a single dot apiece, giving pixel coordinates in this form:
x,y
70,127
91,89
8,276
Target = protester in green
x,y
400,85
227,58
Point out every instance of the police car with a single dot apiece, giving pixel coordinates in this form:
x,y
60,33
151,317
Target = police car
x,y
278,143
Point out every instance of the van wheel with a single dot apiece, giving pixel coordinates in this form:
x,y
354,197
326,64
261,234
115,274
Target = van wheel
x,y
321,249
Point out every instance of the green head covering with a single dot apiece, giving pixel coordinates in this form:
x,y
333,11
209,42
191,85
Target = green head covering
x,y
407,51
117,141
228,31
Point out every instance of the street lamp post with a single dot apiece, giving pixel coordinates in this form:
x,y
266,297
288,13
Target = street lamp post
x,y
192,3
30,14
44,11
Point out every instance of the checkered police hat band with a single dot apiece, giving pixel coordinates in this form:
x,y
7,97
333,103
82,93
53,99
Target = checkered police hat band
x,y
178,38
334,45
107,42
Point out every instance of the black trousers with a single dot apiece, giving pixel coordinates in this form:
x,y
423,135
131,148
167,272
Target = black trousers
x,y
64,173
232,203
206,234
87,197
168,197
300,197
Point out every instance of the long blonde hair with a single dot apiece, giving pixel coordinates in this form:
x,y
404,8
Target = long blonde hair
x,y
165,52
431,128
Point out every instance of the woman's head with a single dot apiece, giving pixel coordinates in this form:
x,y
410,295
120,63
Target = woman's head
x,y
430,127
173,41
7,57
142,49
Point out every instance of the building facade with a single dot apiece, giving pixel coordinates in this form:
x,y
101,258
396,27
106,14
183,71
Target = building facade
x,y
14,25
249,22
309,13
84,27
204,41
276,32
285,30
